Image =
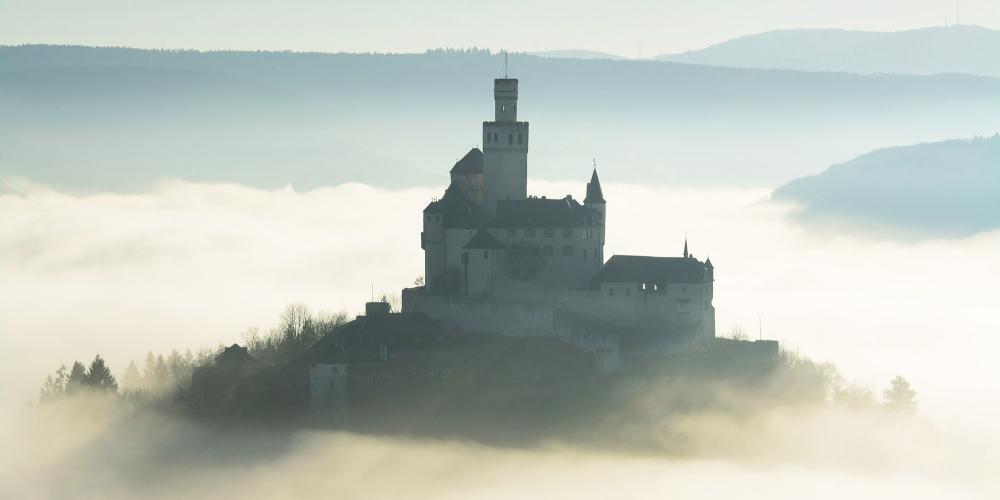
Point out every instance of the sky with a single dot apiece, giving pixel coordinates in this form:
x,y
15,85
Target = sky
x,y
659,26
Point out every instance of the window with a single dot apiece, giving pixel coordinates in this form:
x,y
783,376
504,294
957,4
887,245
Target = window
x,y
503,108
567,250
584,253
567,232
548,251
611,291
486,254
519,139
530,232
549,232
510,139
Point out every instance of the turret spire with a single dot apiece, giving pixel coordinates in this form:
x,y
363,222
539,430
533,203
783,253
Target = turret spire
x,y
594,192
686,247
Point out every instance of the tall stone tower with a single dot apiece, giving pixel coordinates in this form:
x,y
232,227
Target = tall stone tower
x,y
595,200
505,149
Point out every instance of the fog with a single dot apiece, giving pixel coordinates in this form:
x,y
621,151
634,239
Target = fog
x,y
185,265
113,451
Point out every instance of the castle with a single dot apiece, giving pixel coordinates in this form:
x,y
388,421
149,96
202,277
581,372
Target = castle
x,y
499,260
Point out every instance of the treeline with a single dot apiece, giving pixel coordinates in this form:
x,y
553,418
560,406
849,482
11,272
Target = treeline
x,y
298,329
78,378
162,376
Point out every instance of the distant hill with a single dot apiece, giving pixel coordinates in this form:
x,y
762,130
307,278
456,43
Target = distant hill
x,y
577,54
949,188
117,118
951,49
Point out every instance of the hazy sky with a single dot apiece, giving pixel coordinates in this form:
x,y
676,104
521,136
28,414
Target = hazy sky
x,y
662,26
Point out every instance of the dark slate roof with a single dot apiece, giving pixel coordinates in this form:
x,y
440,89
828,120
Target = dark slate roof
x,y
594,192
643,269
485,240
458,211
542,212
471,163
363,337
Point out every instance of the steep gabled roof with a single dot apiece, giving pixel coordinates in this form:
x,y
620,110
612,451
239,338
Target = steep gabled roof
x,y
542,213
471,163
484,240
644,269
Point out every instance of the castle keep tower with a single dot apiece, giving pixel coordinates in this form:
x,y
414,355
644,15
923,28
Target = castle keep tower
x,y
505,149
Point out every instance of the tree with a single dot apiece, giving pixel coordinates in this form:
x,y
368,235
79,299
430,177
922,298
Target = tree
x,y
899,396
132,380
55,386
149,371
77,378
99,376
737,332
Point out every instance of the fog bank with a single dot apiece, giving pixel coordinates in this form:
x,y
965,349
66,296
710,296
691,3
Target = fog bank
x,y
187,265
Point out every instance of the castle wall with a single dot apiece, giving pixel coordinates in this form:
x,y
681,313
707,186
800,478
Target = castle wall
x,y
432,240
482,315
554,256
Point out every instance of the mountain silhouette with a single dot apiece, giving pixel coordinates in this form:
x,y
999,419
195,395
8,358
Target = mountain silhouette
x,y
948,49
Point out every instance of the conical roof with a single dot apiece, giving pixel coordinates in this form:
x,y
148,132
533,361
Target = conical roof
x,y
594,193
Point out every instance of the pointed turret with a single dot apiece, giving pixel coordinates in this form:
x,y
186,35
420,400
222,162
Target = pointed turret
x,y
594,192
595,201
686,248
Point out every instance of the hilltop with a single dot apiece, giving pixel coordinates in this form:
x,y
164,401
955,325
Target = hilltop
x,y
946,49
949,188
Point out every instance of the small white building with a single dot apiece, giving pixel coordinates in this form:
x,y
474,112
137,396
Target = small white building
x,y
328,391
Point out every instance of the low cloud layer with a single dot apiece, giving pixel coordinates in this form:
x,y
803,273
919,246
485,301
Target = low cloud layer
x,y
86,448
188,265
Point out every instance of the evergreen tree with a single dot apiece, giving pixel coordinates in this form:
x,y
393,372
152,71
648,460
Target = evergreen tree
x,y
55,386
900,396
149,372
132,380
99,376
77,378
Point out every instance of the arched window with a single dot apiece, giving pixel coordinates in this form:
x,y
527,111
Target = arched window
x,y
519,138
510,139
